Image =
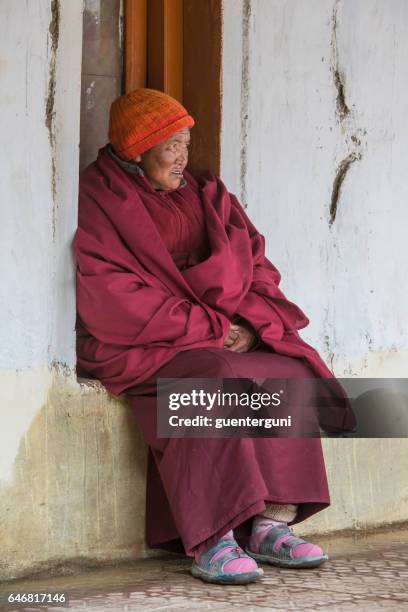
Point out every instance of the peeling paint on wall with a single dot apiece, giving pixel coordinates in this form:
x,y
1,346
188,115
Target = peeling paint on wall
x,y
338,76
342,108
341,173
50,102
345,118
328,348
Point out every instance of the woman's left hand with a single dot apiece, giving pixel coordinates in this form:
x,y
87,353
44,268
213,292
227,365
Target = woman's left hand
x,y
239,339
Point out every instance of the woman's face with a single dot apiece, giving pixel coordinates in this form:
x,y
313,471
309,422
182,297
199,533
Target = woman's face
x,y
164,163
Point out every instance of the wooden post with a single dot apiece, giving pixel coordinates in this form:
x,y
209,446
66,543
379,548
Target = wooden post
x,y
202,81
165,46
173,48
135,31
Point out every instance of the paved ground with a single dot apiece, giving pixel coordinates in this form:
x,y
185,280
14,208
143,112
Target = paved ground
x,y
365,573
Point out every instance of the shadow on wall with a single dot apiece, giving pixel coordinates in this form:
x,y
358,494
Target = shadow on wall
x,y
78,488
381,413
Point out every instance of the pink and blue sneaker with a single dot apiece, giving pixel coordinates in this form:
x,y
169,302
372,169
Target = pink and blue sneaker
x,y
226,563
276,544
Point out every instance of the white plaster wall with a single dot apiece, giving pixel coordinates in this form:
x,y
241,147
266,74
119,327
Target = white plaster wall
x,y
38,216
280,60
26,213
37,301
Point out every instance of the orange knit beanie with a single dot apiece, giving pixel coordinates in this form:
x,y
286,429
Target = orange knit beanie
x,y
143,118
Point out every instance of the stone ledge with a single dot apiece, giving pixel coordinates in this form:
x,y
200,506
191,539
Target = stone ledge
x,y
78,486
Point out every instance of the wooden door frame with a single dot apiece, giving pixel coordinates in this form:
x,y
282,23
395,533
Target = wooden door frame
x,y
176,46
135,44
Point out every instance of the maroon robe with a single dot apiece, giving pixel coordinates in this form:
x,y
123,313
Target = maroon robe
x,y
141,317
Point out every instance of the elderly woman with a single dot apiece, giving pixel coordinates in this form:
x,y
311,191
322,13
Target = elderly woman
x,y
172,282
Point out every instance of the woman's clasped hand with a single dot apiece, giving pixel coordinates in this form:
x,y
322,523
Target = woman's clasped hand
x,y
239,339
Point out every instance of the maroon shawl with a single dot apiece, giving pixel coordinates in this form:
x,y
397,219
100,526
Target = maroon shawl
x,y
137,310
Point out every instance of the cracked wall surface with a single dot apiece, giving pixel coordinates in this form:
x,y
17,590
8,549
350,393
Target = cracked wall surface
x,y
338,181
50,101
345,116
337,71
324,172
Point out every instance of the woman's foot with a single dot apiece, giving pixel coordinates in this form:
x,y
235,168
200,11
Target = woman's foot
x,y
275,543
226,563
